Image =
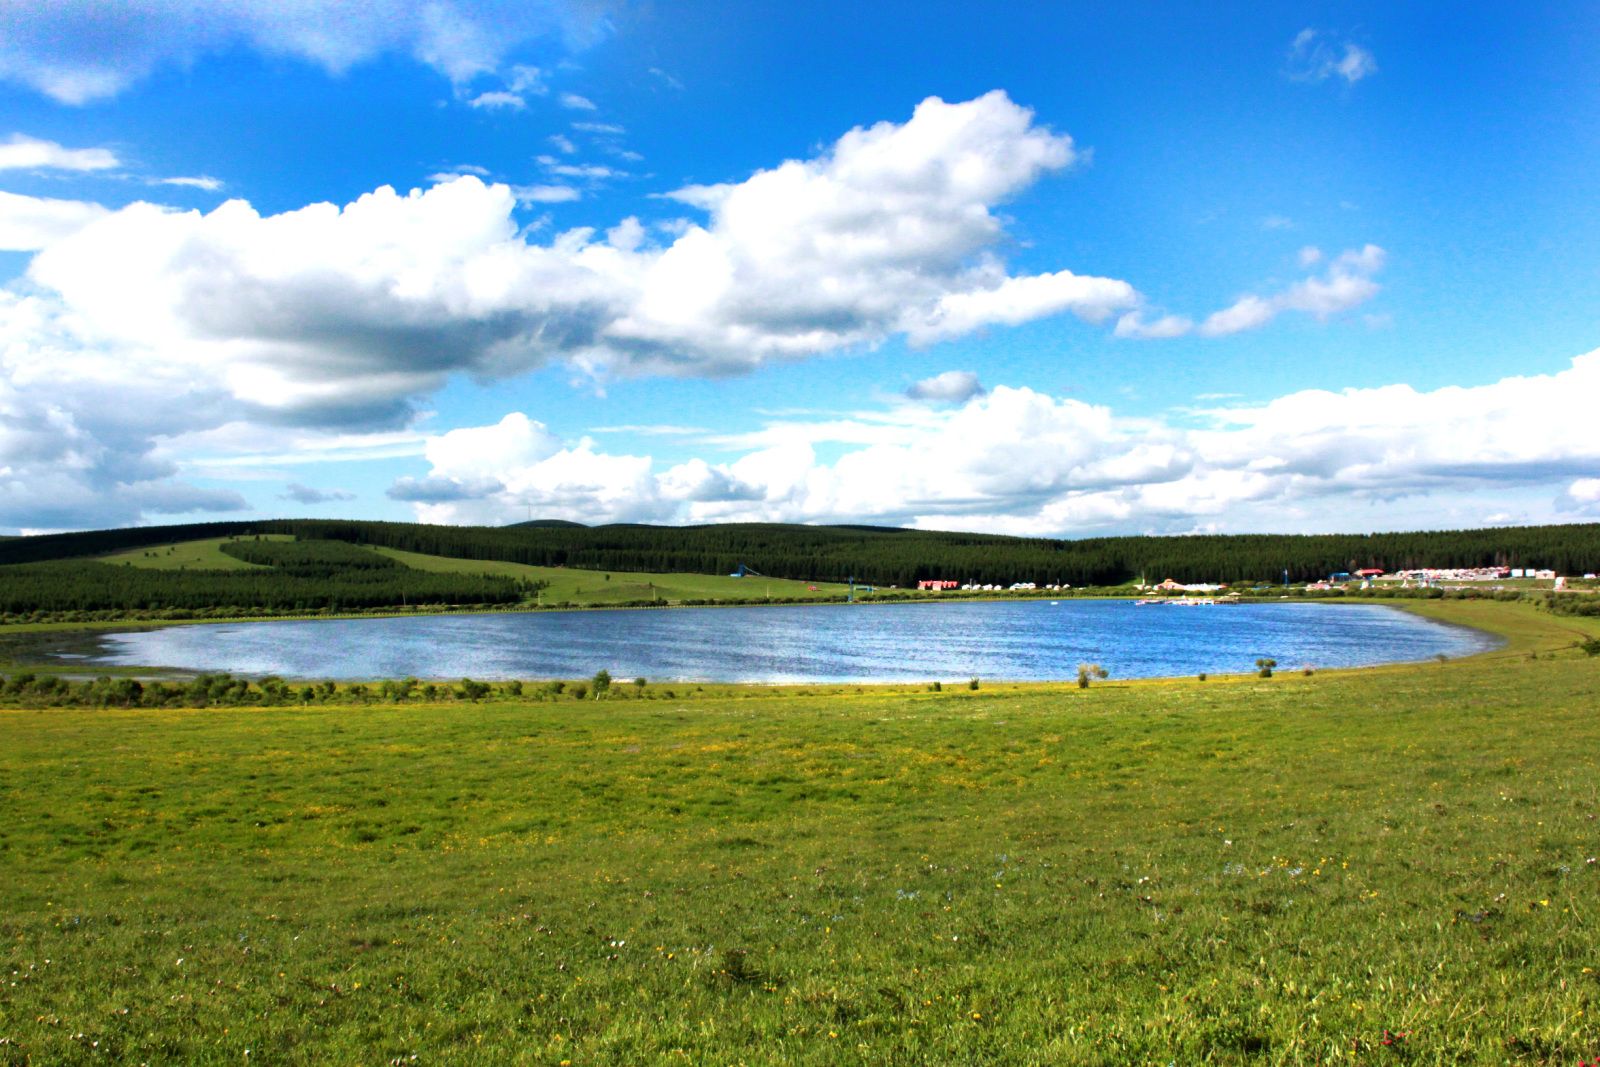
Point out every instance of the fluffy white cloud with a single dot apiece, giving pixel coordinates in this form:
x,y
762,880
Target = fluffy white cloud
x,y
1018,300
1018,461
27,153
77,51
952,386
341,319
29,223
1315,56
344,315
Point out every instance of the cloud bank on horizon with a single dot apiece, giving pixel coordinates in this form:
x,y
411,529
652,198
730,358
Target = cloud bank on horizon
x,y
159,360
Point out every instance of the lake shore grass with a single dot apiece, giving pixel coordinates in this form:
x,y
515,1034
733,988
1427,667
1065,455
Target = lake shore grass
x,y
1368,866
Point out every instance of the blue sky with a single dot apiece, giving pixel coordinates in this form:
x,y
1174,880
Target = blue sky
x,y
1304,268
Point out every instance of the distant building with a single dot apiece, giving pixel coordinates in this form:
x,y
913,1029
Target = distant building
x,y
938,584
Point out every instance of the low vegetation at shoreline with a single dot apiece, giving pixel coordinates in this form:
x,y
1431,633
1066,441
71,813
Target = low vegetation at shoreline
x,y
1388,865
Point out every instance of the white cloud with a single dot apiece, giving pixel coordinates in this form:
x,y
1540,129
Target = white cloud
x,y
27,153
1277,222
1346,284
574,102
1018,300
1315,56
1136,326
343,315
498,100
545,194
29,223
587,171
342,319
201,181
1019,461
78,51
562,144
952,386
1310,256
1583,495
607,128
523,80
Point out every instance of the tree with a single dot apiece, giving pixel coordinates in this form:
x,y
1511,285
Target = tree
x,y
1087,671
1264,667
601,682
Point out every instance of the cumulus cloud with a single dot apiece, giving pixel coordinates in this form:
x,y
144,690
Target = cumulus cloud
x,y
953,386
1315,56
342,319
1023,462
1583,495
22,152
342,316
29,223
78,51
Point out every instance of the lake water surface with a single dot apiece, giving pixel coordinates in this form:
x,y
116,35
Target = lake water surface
x,y
1031,640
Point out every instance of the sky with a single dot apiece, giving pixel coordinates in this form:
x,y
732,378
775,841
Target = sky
x,y
1055,271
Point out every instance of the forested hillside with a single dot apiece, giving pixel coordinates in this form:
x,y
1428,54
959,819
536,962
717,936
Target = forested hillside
x,y
888,556
293,577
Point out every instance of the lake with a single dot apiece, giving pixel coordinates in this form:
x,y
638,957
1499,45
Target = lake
x,y
1031,640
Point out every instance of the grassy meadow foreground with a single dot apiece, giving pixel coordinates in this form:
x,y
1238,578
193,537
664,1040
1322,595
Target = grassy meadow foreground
x,y
1392,865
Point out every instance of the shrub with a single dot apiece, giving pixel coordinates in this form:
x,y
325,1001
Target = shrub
x,y
973,684
1088,671
1202,676
1591,646
1264,667
936,687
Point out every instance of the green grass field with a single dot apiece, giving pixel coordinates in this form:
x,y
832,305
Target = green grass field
x,y
580,588
204,555
1234,871
596,588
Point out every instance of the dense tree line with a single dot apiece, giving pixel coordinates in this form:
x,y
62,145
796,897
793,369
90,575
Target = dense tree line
x,y
888,556
314,580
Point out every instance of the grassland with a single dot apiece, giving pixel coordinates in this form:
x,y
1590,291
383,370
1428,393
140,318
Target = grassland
x,y
598,588
203,555
1232,871
580,588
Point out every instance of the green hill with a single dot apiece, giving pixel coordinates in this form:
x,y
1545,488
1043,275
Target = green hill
x,y
885,555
